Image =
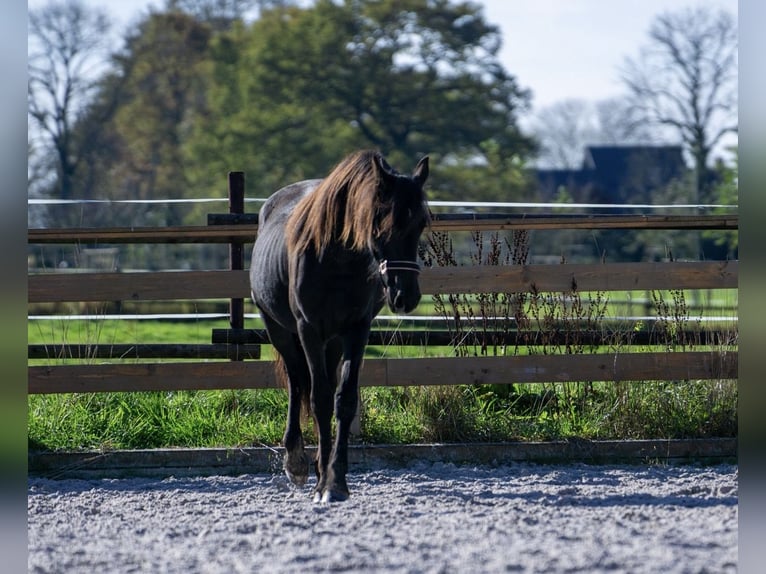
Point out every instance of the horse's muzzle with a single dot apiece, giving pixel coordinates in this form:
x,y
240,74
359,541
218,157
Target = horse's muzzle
x,y
400,279
399,302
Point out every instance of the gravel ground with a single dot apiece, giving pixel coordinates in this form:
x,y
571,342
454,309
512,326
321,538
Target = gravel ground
x,y
425,518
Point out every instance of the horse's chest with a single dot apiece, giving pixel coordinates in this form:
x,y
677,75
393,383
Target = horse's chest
x,y
353,292
339,298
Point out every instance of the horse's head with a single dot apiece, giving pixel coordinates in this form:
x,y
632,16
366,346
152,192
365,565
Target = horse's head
x,y
402,214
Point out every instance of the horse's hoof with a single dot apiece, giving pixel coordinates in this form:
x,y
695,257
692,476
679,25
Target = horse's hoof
x,y
297,479
331,495
297,471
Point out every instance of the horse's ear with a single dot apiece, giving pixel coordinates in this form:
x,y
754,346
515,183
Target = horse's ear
x,y
385,171
421,171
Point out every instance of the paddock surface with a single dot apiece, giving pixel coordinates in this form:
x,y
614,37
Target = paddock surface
x,y
426,517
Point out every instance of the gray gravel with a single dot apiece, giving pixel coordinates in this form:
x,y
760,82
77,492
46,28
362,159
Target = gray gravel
x,y
426,518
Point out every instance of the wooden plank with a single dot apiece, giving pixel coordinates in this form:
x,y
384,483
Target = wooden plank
x,y
151,377
120,235
245,232
690,365
145,351
475,222
580,277
151,286
609,335
57,287
561,368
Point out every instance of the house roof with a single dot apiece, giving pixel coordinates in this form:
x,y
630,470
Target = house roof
x,y
617,173
615,167
611,157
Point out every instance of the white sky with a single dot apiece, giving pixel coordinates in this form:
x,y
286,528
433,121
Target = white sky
x,y
559,49
563,49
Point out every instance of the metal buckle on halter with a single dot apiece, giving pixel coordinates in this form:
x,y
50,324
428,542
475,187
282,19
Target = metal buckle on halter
x,y
386,266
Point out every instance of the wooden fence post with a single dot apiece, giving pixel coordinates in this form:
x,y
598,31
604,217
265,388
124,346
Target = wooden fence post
x,y
236,248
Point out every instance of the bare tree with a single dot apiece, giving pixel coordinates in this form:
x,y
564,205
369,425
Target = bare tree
x,y
66,46
565,128
686,80
617,126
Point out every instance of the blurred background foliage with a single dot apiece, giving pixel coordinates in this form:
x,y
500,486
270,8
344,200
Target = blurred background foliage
x,y
282,90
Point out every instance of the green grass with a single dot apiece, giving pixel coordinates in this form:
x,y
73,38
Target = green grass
x,y
454,413
466,413
107,331
155,420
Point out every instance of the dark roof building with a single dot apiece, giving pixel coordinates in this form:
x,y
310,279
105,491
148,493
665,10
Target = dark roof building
x,y
616,174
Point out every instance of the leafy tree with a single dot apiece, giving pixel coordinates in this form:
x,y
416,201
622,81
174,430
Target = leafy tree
x,y
138,121
686,80
303,86
219,14
425,77
161,71
502,175
286,96
256,117
726,192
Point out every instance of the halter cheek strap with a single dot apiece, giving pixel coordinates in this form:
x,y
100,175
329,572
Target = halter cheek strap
x,y
395,265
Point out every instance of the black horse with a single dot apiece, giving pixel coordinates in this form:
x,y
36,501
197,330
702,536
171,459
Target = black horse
x,y
328,254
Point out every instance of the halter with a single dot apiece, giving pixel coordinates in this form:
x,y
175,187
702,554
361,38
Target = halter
x,y
396,265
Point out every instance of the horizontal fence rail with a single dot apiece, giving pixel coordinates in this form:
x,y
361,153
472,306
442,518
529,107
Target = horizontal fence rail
x,y
145,351
226,228
243,344
681,365
156,286
477,336
149,286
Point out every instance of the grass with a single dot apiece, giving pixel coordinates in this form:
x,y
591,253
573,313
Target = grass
x,y
467,413
103,331
454,413
155,420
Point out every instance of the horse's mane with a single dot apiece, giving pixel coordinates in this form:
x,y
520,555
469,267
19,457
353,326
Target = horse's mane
x,y
341,208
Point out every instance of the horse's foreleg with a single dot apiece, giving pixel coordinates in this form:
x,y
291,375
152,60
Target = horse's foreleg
x,y
321,405
322,388
346,400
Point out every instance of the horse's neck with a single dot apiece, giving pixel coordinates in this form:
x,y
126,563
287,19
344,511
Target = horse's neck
x,y
340,255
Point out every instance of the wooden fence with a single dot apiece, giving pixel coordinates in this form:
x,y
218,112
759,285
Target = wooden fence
x,y
240,345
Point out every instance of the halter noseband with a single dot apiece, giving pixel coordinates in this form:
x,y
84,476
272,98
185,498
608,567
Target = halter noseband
x,y
396,265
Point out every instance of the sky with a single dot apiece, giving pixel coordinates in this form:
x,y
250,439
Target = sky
x,y
562,49
559,49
